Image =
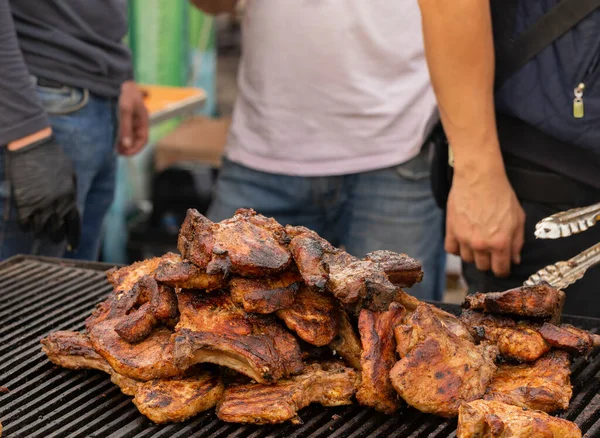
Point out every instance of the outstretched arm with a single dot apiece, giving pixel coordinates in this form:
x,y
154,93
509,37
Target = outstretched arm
x,y
485,222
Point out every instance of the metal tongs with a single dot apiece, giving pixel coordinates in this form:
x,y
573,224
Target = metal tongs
x,y
563,274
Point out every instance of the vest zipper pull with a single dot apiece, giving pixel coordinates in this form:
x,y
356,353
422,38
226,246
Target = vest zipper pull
x,y
578,101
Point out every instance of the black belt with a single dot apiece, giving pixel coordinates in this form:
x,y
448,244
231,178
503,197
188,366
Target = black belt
x,y
49,83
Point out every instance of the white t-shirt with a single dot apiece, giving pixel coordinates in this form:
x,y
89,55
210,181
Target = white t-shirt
x,y
331,87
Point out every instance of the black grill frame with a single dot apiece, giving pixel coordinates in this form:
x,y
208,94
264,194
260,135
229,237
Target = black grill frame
x,y
40,295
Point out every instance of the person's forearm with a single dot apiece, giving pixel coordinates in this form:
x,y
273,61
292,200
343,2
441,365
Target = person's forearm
x,y
460,54
214,7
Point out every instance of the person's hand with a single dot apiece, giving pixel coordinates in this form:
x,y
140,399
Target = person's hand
x,y
43,185
485,222
133,120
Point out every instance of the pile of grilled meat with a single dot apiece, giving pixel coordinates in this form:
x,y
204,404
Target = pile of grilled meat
x,y
260,320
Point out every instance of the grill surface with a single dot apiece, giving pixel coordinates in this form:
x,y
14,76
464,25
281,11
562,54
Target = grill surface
x,y
39,295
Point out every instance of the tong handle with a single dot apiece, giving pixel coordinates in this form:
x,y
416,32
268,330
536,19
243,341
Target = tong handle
x,y
563,274
568,222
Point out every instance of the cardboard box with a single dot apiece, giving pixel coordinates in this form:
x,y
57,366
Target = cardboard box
x,y
198,139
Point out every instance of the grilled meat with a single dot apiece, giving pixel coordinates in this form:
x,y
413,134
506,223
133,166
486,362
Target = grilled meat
x,y
541,301
355,283
491,419
346,343
378,358
313,316
402,270
265,295
214,329
328,383
156,303
439,370
569,338
161,401
543,385
247,244
179,273
518,341
125,278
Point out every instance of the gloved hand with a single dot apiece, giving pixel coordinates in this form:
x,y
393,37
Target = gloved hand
x,y
44,190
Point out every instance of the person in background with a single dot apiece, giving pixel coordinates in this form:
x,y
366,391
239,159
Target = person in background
x,y
331,124
68,97
520,151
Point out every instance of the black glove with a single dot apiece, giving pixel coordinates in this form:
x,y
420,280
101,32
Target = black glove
x,y
43,185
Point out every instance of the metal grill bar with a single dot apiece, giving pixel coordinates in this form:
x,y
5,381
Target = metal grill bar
x,y
38,296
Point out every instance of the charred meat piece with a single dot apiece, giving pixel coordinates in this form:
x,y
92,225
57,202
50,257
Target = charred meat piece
x,y
313,316
125,278
355,283
569,338
346,343
543,385
439,371
214,329
491,419
180,273
149,359
328,383
265,295
517,341
162,400
73,350
402,270
247,244
541,301
378,358
156,303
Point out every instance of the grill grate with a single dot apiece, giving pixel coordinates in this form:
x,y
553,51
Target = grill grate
x,y
38,296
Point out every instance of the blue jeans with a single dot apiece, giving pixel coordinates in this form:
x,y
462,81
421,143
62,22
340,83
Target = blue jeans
x,y
389,209
86,127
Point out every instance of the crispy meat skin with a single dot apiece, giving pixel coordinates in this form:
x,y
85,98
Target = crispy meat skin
x,y
541,301
247,244
567,337
518,341
347,343
355,283
313,316
161,401
180,273
438,370
543,385
378,358
125,278
265,295
402,270
157,303
490,419
328,383
213,329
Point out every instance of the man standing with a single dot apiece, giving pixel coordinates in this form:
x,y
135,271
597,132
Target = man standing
x,y
523,146
68,97
333,110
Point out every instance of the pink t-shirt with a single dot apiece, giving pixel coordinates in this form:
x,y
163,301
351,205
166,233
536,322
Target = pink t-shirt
x,y
331,87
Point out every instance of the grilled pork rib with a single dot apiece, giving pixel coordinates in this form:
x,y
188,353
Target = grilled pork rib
x,y
438,370
214,329
265,295
402,270
543,385
541,301
161,400
328,383
491,419
247,244
378,358
179,273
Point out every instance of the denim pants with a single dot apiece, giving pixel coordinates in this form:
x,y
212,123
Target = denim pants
x,y
389,209
86,127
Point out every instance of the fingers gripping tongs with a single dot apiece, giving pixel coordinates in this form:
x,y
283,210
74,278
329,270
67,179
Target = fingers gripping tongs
x,y
563,274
